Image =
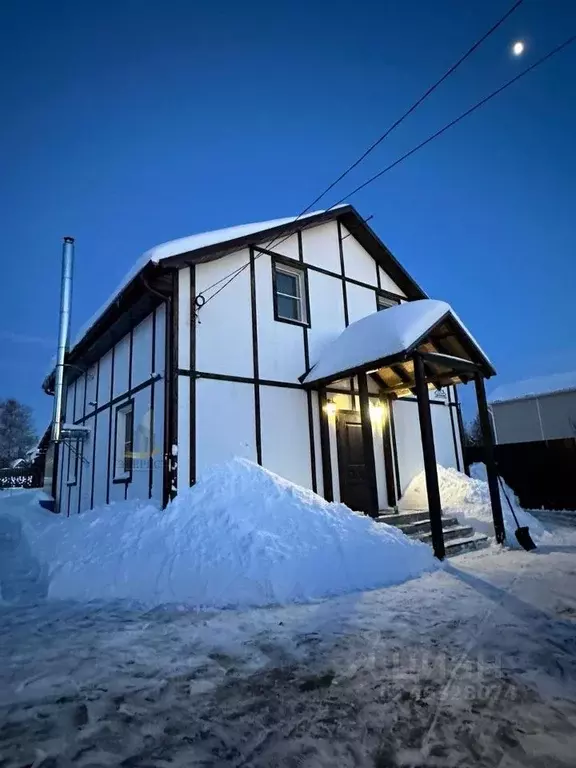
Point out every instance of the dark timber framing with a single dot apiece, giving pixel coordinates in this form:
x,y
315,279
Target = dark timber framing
x,y
429,454
192,447
386,406
367,439
110,398
343,270
489,459
94,434
171,394
309,395
152,403
256,367
325,447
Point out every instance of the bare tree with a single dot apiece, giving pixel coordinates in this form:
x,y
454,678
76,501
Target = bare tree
x,y
16,431
474,432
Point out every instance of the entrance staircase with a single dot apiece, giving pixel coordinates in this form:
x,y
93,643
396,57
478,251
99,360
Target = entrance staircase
x,y
416,524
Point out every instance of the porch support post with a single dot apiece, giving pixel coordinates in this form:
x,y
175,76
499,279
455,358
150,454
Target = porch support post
x,y
325,446
489,458
368,443
429,453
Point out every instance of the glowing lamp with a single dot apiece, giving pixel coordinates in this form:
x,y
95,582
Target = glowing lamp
x,y
331,408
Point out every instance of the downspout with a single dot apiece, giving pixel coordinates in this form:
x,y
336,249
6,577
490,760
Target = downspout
x,y
63,336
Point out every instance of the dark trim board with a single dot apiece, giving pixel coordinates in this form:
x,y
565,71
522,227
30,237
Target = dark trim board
x,y
343,277
240,379
387,449
325,447
192,409
152,404
395,452
110,425
256,369
95,435
129,393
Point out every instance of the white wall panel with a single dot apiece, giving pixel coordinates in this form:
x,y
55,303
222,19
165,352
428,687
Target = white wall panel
x,y
357,262
160,356
138,487
408,442
443,437
184,430
320,246
387,284
286,434
225,424
121,365
317,443
184,318
158,442
287,247
327,309
142,351
80,393
361,302
86,465
91,381
224,330
280,345
101,463
104,378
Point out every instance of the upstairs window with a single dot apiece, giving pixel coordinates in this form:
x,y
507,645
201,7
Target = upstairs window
x,y
124,442
289,293
385,302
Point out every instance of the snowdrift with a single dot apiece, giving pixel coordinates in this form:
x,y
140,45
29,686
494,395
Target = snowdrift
x,y
469,499
240,537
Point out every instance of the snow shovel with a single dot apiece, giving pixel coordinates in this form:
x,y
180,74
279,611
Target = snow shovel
x,y
522,532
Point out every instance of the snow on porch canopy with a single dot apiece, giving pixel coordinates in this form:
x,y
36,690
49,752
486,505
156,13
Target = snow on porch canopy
x,y
384,342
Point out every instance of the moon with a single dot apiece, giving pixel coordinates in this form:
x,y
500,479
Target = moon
x,y
518,48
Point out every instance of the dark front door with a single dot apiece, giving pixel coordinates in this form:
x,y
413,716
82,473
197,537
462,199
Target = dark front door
x,y
355,490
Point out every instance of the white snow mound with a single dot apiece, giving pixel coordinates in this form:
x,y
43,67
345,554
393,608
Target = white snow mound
x,y
469,499
242,536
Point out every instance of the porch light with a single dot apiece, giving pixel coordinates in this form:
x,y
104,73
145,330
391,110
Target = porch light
x,y
331,408
376,412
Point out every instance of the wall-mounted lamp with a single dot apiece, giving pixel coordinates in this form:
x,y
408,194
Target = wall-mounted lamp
x,y
376,412
331,408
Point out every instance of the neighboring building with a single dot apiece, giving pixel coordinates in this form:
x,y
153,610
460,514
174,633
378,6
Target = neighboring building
x,y
263,341
538,409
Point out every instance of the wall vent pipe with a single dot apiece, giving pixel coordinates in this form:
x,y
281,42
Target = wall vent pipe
x,y
63,336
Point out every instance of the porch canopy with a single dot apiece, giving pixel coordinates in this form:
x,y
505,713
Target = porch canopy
x,y
384,343
406,349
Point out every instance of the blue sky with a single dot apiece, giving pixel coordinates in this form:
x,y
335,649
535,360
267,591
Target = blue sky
x,y
130,123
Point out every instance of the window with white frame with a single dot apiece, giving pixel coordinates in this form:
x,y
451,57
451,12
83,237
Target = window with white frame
x,y
385,302
124,442
290,293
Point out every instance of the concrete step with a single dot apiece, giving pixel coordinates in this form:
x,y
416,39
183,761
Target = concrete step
x,y
456,532
402,518
468,544
423,526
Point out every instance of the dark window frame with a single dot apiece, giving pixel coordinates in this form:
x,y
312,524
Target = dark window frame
x,y
392,298
124,475
301,269
72,479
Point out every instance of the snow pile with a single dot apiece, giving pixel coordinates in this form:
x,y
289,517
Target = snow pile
x,y
241,537
468,498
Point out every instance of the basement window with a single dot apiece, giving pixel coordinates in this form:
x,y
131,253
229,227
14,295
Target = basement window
x,y
124,440
385,302
289,293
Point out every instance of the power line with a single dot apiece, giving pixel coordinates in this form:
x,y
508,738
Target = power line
x,y
378,141
415,149
416,104
454,122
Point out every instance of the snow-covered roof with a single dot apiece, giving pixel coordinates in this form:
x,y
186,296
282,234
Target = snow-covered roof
x,y
539,385
189,244
382,335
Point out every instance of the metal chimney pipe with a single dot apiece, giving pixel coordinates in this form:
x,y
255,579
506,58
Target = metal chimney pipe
x,y
63,335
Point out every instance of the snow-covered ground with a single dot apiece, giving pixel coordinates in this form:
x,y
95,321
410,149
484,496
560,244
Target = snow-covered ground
x,y
473,663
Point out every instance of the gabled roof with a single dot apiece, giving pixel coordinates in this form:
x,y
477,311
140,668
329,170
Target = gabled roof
x,y
535,387
207,246
389,337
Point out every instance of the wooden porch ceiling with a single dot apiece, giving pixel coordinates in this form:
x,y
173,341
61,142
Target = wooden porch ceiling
x,y
446,342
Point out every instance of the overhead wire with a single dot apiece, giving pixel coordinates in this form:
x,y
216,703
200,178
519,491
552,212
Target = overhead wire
x,y
378,141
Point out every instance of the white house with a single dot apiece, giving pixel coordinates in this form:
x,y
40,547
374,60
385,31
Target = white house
x,y
298,343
